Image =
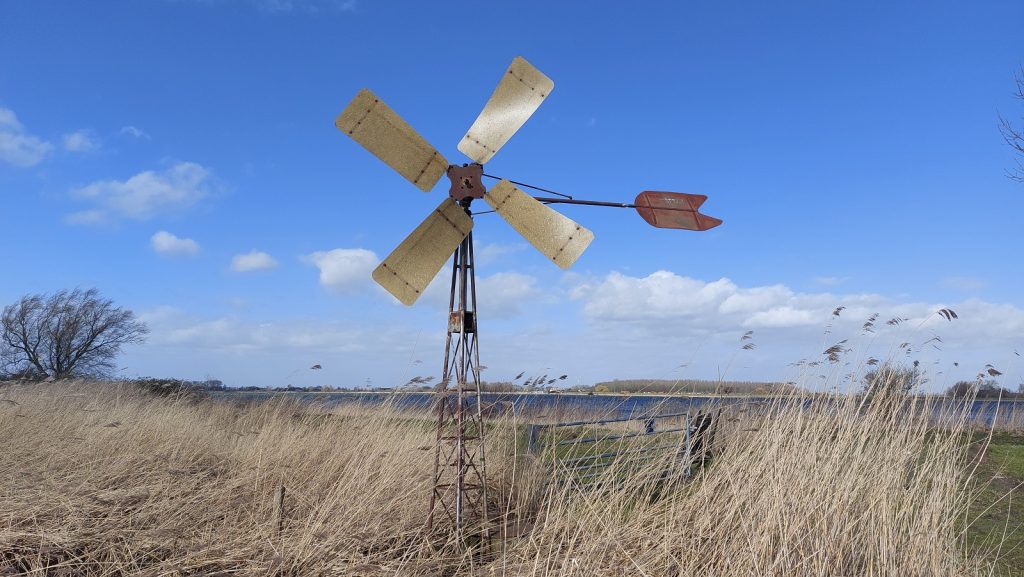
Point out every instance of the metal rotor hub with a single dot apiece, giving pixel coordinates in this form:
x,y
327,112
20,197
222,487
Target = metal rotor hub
x,y
467,181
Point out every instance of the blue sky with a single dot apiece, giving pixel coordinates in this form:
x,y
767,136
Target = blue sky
x,y
181,157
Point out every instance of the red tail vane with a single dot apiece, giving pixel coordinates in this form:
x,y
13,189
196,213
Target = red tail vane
x,y
674,210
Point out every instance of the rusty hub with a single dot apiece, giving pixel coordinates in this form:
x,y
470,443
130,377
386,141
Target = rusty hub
x,y
466,181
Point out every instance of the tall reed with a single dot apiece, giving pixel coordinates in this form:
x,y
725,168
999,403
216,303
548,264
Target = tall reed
x,y
100,479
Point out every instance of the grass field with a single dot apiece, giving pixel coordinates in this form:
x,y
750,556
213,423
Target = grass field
x,y
996,516
102,479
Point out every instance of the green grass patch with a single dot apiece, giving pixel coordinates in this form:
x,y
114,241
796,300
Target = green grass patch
x,y
997,513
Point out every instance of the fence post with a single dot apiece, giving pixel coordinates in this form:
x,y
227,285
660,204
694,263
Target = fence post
x,y
532,432
689,448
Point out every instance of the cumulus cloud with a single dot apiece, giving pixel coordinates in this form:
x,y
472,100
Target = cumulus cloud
x,y
500,295
343,270
81,141
167,244
659,299
134,132
17,147
251,261
503,294
658,296
144,195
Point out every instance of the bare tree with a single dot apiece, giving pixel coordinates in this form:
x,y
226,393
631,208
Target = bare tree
x,y
892,380
1013,135
69,333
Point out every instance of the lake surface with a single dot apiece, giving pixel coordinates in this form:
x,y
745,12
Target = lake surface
x,y
570,405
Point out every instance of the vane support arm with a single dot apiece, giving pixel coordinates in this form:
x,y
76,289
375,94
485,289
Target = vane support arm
x,y
660,209
554,200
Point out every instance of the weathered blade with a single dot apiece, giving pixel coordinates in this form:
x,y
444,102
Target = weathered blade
x,y
519,93
559,238
408,270
674,210
380,130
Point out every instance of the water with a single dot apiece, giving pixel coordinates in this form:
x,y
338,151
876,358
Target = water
x,y
530,404
548,406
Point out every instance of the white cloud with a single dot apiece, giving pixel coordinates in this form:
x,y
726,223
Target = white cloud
x,y
134,132
81,141
632,327
831,280
311,6
965,284
662,299
248,351
86,217
18,147
487,253
165,243
144,195
661,295
253,260
503,294
276,5
343,270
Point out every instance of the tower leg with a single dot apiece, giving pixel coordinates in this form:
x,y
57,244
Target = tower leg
x,y
460,474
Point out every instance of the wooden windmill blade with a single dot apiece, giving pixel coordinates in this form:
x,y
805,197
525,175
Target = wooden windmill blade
x,y
558,237
407,271
518,95
382,131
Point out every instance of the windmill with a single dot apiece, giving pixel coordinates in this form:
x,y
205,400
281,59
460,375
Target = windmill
x,y
459,463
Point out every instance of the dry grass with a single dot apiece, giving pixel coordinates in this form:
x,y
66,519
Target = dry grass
x,y
104,480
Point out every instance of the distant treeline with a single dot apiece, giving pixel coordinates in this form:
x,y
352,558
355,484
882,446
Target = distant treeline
x,y
984,389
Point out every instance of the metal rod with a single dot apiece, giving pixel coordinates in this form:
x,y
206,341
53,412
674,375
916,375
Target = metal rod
x,y
474,360
460,376
614,438
571,200
524,185
619,420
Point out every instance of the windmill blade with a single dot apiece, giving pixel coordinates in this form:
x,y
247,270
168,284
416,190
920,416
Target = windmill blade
x,y
407,271
674,210
517,97
558,237
380,130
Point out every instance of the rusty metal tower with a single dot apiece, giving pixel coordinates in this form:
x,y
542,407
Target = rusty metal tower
x,y
460,465
459,491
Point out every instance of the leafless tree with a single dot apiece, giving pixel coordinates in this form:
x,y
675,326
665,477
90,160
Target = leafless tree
x,y
69,333
1013,135
891,379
